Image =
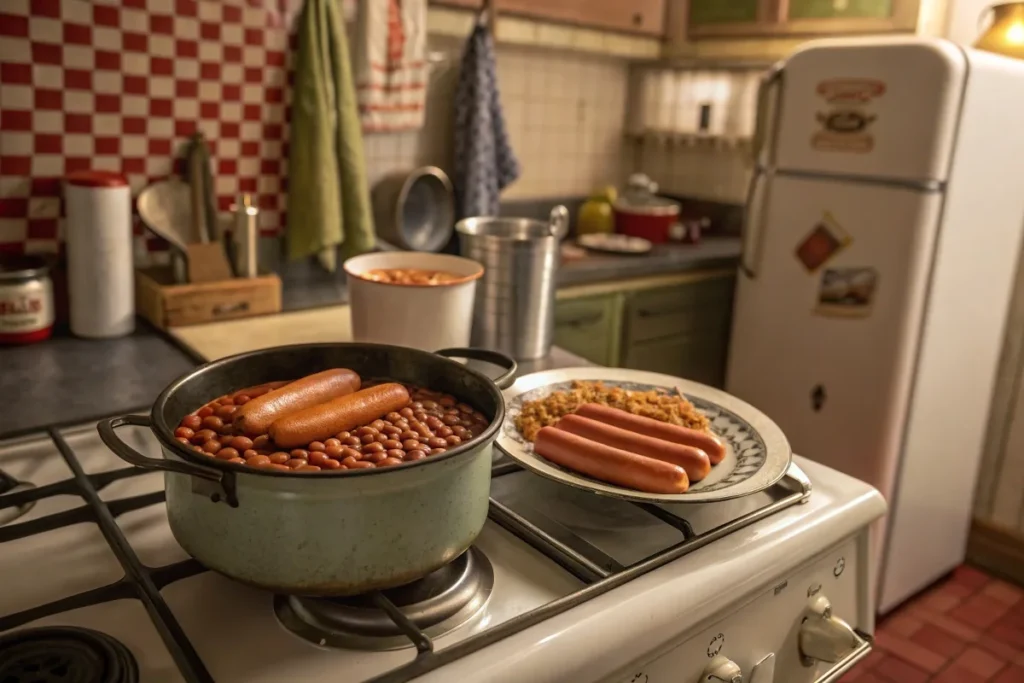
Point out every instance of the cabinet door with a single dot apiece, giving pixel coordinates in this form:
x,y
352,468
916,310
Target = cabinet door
x,y
696,358
637,16
590,327
782,18
705,305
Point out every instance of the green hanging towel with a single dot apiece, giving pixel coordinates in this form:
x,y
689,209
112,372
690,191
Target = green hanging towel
x,y
328,199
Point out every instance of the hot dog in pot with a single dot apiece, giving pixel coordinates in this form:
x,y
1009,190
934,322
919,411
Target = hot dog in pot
x,y
256,416
693,460
608,463
709,443
322,421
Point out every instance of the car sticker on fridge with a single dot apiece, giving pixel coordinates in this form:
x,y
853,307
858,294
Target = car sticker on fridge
x,y
826,239
846,292
845,123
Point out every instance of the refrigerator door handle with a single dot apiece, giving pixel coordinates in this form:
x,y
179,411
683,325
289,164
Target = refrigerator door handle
x,y
770,82
752,219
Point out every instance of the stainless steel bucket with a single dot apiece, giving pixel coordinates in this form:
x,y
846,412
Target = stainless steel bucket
x,y
514,311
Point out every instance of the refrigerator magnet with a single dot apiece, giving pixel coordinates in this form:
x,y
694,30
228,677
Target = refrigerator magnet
x,y
826,239
846,292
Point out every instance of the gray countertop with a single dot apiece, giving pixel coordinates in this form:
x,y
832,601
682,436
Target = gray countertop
x,y
67,379
308,286
720,252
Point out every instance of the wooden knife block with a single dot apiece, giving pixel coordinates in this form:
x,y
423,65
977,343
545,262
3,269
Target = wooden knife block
x,y
166,304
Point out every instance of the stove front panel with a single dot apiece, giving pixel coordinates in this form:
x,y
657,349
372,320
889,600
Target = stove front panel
x,y
761,637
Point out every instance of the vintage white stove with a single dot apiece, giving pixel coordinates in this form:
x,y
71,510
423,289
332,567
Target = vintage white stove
x,y
561,586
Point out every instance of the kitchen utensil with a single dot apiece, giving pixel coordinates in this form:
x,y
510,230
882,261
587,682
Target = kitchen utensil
x,y
336,533
204,217
614,243
26,299
415,210
421,316
166,209
244,237
207,263
596,215
515,304
101,290
1006,33
758,452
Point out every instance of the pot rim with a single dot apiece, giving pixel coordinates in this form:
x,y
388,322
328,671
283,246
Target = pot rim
x,y
475,275
666,208
166,435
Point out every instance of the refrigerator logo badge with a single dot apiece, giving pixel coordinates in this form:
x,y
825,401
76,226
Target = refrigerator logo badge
x,y
845,125
850,90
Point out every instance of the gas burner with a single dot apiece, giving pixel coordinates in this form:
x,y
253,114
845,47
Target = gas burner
x,y
9,484
65,654
438,603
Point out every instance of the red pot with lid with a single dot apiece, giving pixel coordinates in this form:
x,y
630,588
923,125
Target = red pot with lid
x,y
641,213
26,299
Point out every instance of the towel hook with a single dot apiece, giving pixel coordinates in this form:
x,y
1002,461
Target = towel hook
x,y
487,15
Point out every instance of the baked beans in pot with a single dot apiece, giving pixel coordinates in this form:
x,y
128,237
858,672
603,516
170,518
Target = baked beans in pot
x,y
330,532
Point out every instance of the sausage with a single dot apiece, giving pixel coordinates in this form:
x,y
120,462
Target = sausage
x,y
693,460
256,416
258,390
323,421
706,441
610,464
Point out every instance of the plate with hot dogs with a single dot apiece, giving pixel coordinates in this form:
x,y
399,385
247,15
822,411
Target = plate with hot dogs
x,y
641,436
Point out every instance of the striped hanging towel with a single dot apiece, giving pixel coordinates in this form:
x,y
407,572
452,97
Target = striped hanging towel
x,y
391,64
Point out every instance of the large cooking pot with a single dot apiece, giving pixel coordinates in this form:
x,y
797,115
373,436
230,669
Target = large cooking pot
x,y
330,533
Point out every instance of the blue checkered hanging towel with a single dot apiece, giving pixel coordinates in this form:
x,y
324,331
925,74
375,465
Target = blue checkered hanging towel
x,y
484,161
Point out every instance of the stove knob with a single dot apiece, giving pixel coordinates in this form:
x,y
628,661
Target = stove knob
x,y
722,670
823,637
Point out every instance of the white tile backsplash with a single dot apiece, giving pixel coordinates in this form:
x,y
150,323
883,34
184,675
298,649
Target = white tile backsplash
x,y
565,114
697,169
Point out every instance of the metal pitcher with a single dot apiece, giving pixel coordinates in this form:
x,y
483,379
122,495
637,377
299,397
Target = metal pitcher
x,y
514,310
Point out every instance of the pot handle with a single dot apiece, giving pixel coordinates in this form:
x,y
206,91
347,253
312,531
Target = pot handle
x,y
224,481
504,380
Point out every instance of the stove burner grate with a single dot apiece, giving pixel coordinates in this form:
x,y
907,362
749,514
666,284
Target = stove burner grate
x,y
9,484
436,604
65,654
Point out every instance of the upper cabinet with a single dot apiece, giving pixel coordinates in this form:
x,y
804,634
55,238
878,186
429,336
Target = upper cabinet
x,y
783,18
644,17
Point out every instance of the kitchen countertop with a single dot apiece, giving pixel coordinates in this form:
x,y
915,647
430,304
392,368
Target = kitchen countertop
x,y
720,252
330,324
68,379
306,286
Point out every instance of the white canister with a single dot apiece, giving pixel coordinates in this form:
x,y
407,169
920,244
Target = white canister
x,y
428,317
98,233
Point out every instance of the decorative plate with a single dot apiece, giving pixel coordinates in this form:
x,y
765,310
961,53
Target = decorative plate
x,y
614,243
757,453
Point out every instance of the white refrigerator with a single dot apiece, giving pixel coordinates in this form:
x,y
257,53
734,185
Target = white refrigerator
x,y
880,251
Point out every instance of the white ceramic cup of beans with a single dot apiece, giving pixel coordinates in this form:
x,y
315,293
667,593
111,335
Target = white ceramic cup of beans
x,y
423,316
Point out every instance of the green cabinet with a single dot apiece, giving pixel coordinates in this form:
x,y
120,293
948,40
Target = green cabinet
x,y
680,329
590,327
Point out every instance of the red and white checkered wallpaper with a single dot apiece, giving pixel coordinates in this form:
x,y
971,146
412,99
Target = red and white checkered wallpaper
x,y
119,85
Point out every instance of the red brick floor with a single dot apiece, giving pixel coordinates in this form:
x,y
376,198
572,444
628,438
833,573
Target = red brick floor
x,y
969,628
